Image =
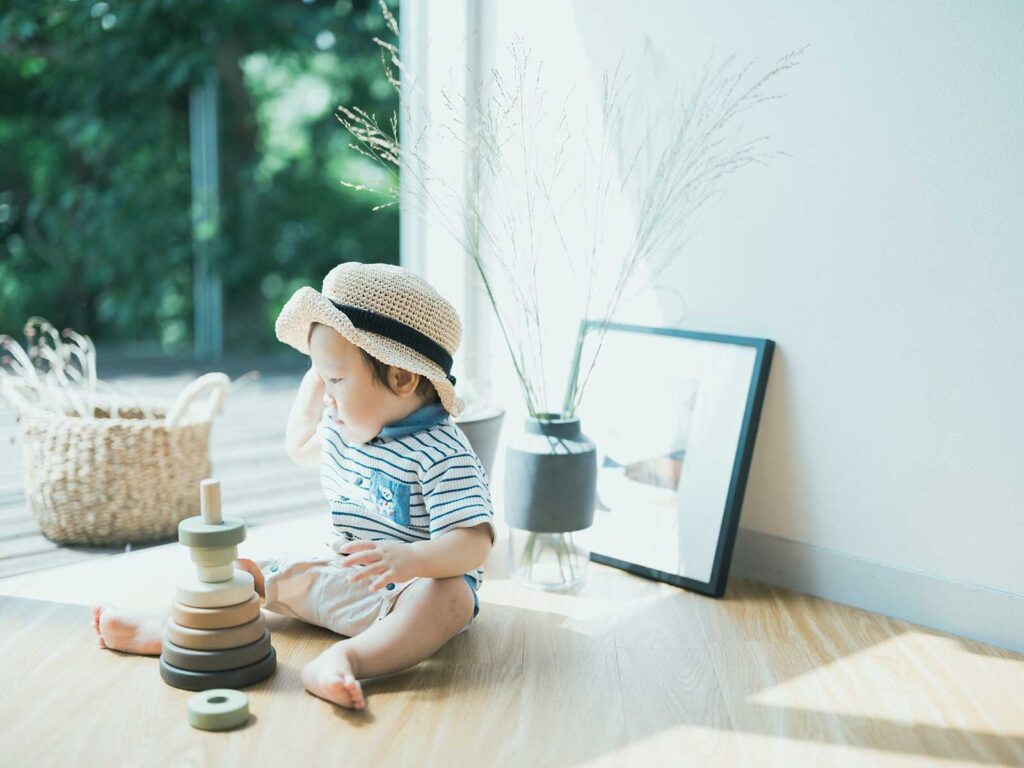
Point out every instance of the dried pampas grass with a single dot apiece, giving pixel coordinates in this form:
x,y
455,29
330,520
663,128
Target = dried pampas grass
x,y
55,372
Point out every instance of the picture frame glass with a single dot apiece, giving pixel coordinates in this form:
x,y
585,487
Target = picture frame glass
x,y
667,415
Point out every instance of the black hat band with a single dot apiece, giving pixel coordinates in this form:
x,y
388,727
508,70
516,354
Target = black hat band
x,y
365,320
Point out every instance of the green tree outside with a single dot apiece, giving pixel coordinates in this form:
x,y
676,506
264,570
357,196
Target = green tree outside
x,y
95,194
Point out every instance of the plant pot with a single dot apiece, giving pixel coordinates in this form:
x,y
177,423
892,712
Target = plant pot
x,y
550,491
482,427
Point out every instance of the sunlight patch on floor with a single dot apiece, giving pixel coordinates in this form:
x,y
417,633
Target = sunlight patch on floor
x,y
585,614
688,744
882,682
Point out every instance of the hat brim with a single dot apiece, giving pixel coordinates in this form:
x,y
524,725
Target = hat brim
x,y
308,306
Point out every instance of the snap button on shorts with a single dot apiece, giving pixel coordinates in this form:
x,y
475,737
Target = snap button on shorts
x,y
315,589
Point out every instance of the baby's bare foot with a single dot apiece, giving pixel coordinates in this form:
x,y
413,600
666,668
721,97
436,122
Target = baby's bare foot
x,y
332,676
131,631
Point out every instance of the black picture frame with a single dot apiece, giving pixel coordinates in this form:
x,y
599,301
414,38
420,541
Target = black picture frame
x,y
757,386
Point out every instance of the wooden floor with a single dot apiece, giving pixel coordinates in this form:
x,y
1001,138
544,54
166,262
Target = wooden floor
x,y
622,672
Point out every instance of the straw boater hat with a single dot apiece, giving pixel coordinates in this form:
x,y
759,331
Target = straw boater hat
x,y
391,313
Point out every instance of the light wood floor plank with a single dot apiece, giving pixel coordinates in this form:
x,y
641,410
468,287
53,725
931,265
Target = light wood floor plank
x,y
573,691
749,613
674,708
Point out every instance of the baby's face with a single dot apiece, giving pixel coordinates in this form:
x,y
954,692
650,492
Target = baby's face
x,y
359,405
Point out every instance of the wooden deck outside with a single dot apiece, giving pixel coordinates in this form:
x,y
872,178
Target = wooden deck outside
x,y
259,482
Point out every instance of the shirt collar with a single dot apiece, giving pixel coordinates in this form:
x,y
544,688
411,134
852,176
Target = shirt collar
x,y
428,416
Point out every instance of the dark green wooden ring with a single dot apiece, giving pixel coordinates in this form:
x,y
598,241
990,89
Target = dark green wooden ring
x,y
231,678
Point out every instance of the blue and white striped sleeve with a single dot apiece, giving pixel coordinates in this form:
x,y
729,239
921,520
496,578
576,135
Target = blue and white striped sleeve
x,y
456,495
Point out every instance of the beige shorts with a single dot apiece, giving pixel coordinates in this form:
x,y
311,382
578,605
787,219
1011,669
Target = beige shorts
x,y
315,588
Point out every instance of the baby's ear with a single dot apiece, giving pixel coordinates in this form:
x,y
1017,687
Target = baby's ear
x,y
403,382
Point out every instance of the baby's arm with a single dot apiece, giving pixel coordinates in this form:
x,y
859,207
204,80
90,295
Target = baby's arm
x,y
456,552
458,499
301,441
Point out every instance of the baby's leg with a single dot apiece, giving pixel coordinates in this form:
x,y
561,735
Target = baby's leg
x,y
142,631
425,616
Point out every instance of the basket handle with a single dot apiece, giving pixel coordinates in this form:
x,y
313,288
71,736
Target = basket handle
x,y
12,391
216,384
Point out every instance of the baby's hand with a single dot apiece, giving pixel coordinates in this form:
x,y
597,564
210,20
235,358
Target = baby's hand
x,y
315,385
391,561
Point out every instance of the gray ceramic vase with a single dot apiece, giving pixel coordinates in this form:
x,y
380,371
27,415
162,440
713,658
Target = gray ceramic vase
x,y
550,476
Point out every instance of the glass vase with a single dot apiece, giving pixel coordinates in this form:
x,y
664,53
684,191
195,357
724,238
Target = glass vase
x,y
547,561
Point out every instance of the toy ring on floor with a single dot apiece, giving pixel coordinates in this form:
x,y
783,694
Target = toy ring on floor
x,y
218,709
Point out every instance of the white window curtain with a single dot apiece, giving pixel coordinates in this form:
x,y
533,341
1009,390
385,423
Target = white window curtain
x,y
441,43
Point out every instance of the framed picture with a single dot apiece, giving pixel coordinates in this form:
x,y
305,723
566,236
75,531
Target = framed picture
x,y
674,415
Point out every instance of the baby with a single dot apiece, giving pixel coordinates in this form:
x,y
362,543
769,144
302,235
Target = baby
x,y
412,520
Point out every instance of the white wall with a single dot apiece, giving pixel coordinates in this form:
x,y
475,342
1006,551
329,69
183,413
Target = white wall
x,y
885,260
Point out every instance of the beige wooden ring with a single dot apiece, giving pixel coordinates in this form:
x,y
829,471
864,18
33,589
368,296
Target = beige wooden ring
x,y
198,594
207,556
214,574
195,532
216,639
216,618
215,661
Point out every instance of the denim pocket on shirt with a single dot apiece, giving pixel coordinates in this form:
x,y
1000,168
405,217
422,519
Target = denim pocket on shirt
x,y
390,497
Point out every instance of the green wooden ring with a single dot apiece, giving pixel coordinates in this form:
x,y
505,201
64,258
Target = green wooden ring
x,y
193,532
209,556
230,678
218,709
199,594
215,661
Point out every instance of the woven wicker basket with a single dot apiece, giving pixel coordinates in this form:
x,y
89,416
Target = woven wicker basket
x,y
111,481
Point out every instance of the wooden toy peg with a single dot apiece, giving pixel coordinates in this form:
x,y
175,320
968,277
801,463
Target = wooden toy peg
x,y
209,501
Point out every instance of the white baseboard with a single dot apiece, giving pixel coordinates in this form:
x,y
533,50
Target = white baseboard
x,y
968,610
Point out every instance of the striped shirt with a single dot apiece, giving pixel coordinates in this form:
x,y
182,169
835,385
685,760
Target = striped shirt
x,y
417,480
